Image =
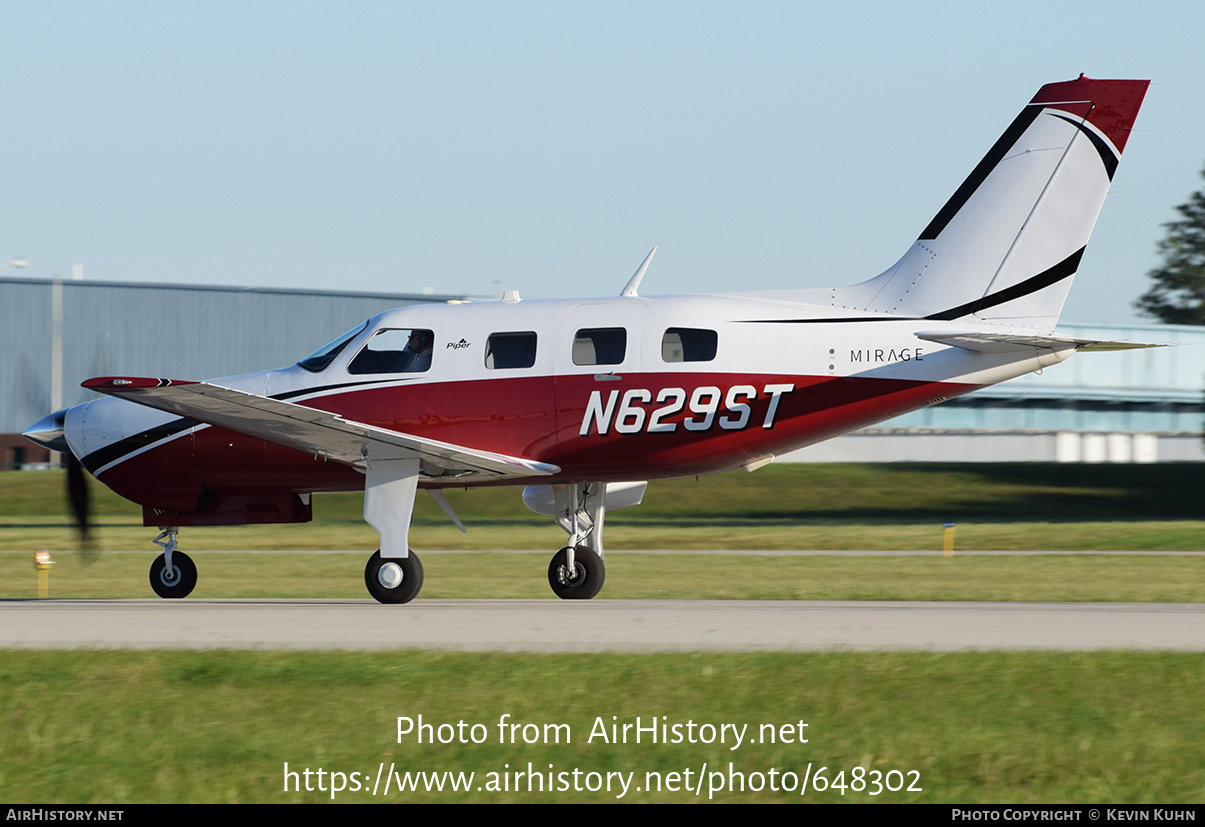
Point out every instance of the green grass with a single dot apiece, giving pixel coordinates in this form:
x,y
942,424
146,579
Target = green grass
x,y
888,507
1086,578
837,491
125,727
1106,727
535,534
830,507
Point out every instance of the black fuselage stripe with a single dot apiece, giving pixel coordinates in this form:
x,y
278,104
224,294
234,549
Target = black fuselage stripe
x,y
840,320
136,442
325,388
104,456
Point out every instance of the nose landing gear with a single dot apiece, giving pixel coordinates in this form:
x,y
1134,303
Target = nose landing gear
x,y
173,574
579,580
576,572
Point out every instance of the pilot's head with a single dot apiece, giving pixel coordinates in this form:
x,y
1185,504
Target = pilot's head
x,y
421,340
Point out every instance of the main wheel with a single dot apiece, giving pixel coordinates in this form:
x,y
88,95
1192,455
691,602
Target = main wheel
x,y
584,581
393,579
176,582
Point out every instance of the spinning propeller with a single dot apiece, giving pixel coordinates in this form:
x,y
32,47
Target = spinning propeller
x,y
48,432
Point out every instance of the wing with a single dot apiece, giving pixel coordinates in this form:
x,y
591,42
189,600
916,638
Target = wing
x,y
324,434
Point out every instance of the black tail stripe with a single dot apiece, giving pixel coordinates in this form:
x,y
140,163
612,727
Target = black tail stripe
x,y
1028,115
1106,154
1064,269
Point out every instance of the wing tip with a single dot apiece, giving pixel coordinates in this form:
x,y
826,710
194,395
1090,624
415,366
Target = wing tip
x,y
123,384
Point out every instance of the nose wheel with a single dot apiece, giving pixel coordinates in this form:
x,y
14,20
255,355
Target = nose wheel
x,y
177,580
173,574
393,579
580,580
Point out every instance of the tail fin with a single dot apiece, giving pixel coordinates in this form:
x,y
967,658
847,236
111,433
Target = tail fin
x,y
1006,245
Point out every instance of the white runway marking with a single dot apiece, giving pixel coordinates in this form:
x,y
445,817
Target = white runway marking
x,y
600,625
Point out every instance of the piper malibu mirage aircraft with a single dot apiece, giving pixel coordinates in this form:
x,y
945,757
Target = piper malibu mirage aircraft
x,y
578,400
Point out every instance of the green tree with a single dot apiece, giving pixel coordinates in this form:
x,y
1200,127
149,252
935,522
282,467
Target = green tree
x,y
1178,295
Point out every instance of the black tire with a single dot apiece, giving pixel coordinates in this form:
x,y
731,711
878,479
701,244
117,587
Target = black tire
x,y
586,579
176,583
378,574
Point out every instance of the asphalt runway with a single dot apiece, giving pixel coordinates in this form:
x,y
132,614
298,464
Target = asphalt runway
x,y
600,625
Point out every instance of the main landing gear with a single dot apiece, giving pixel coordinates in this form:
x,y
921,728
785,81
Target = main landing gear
x,y
394,574
173,574
393,579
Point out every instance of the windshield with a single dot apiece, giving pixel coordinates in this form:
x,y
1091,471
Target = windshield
x,y
317,361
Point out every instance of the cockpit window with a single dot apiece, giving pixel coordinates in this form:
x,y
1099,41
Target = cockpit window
x,y
318,361
395,351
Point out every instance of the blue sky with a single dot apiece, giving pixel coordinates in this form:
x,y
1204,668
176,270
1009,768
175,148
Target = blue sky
x,y
547,146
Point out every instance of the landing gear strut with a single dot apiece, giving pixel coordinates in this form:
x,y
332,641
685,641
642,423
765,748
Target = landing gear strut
x,y
173,574
577,571
394,574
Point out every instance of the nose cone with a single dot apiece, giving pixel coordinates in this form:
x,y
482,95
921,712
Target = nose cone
x,y
48,432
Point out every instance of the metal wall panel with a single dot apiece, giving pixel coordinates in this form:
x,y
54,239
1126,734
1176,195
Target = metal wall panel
x,y
160,330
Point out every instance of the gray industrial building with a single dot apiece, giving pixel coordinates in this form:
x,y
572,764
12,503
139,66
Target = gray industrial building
x,y
1143,405
54,334
1127,406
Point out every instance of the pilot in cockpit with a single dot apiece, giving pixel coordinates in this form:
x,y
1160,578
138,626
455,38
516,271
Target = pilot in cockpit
x,y
416,356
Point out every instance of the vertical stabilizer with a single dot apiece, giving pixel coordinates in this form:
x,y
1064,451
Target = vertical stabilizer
x,y
1006,245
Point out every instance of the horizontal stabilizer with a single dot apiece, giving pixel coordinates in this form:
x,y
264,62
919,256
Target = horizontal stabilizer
x,y
1003,342
313,431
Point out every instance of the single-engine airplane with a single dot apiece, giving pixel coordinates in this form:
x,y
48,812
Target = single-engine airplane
x,y
585,401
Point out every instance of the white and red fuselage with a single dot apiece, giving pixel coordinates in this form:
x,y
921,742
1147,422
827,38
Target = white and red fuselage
x,y
783,375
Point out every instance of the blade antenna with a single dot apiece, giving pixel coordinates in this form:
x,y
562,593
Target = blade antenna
x,y
442,502
634,281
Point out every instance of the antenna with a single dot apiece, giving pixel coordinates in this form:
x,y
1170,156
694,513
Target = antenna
x,y
630,290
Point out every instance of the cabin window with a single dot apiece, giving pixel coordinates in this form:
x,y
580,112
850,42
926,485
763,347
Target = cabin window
x,y
688,344
395,351
510,350
600,346
317,361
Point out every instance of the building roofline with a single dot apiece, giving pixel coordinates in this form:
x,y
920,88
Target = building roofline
x,y
1135,326
401,298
